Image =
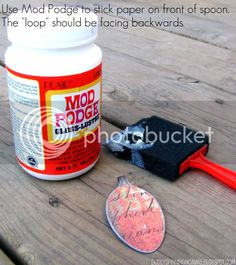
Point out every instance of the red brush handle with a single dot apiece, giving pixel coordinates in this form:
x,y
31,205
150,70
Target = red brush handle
x,y
226,176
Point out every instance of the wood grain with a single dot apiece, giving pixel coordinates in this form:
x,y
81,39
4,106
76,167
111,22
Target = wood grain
x,y
42,234
218,30
171,96
200,61
187,77
3,82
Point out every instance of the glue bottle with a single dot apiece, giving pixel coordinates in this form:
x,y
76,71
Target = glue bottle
x,y
54,81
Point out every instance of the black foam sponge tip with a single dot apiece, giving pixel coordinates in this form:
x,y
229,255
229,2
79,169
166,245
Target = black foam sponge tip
x,y
158,145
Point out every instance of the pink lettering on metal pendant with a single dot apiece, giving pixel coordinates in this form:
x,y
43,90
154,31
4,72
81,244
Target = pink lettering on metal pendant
x,y
136,217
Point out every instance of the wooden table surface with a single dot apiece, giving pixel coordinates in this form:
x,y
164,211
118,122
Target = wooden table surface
x,y
187,75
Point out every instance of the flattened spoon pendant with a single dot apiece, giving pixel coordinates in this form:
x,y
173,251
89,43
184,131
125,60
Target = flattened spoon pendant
x,y
136,217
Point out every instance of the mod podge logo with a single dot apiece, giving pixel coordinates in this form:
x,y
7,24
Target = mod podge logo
x,y
78,112
79,108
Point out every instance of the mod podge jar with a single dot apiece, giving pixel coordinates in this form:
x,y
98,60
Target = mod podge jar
x,y
54,80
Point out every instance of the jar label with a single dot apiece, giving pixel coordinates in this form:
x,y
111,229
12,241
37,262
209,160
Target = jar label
x,y
56,121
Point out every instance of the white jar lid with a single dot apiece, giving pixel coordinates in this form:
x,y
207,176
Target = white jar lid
x,y
50,37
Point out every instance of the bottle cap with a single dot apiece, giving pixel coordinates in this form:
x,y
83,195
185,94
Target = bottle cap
x,y
52,31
